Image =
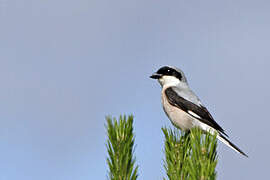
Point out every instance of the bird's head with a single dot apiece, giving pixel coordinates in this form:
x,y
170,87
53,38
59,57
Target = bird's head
x,y
170,76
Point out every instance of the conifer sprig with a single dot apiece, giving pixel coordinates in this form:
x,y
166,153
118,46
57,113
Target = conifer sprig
x,y
120,147
177,147
190,155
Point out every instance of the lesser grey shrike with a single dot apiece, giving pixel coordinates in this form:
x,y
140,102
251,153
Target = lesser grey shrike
x,y
184,108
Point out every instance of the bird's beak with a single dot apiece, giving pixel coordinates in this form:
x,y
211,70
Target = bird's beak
x,y
155,76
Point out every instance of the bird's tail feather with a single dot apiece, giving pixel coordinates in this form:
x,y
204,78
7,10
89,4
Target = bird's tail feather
x,y
230,144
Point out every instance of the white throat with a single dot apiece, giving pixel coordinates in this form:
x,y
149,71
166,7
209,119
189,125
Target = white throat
x,y
169,81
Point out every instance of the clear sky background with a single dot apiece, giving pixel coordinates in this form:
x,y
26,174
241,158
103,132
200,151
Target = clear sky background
x,y
65,65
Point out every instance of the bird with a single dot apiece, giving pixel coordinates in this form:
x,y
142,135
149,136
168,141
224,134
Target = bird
x,y
184,109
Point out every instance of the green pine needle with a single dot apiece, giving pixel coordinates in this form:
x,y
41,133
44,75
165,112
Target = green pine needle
x,y
190,155
120,147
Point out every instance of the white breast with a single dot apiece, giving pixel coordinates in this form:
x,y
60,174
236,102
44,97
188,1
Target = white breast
x,y
179,118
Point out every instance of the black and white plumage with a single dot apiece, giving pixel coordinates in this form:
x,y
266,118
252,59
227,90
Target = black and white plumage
x,y
184,108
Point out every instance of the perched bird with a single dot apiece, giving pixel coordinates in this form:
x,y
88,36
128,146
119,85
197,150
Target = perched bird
x,y
184,108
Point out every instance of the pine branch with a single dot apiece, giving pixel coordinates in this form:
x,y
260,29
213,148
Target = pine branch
x,y
191,155
120,147
203,159
176,151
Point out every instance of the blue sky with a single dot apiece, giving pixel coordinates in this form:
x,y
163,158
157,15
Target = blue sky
x,y
65,65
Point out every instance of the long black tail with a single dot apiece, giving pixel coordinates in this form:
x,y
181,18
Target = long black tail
x,y
230,144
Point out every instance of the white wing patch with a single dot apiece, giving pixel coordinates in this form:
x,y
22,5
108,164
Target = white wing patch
x,y
193,114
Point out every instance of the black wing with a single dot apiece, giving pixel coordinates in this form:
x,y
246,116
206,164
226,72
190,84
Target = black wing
x,y
187,106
